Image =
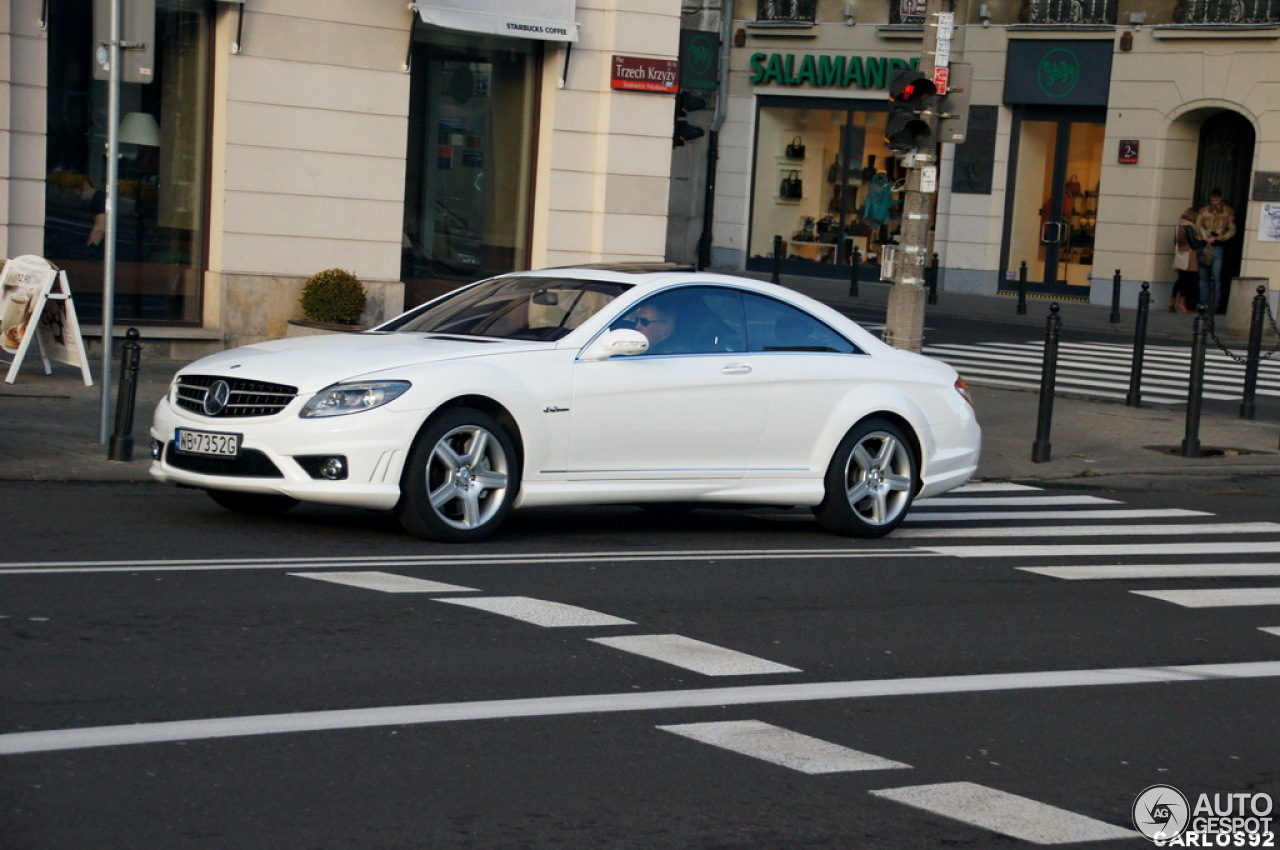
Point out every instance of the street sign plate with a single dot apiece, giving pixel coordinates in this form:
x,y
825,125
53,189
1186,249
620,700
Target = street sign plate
x,y
941,76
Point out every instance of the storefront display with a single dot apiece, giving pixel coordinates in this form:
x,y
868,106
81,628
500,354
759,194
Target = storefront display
x,y
824,182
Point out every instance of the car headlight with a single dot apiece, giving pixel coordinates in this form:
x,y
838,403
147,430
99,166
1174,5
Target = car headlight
x,y
355,397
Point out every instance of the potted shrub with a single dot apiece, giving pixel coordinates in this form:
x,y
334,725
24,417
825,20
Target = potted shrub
x,y
334,300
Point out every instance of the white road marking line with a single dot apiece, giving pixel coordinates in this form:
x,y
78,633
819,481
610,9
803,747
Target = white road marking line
x,y
1157,571
782,747
549,558
1220,598
993,487
1005,813
368,718
705,658
385,582
1009,516
1135,550
1010,501
1100,530
539,612
1271,630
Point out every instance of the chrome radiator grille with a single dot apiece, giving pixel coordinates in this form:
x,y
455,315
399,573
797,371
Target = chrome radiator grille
x,y
246,398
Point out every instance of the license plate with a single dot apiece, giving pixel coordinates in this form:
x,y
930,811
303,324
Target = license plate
x,y
207,443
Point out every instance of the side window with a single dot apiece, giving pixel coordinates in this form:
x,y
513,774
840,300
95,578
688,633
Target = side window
x,y
689,320
774,326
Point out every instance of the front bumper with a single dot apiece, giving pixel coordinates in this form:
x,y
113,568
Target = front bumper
x,y
274,450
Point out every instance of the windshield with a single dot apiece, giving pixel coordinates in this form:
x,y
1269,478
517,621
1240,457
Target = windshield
x,y
541,308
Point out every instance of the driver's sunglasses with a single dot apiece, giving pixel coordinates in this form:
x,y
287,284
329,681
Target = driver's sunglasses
x,y
644,323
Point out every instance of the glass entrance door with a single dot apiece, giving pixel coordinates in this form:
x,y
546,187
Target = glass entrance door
x,y
1056,168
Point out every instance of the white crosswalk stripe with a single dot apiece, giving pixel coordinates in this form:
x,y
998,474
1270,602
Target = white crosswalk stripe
x,y
1102,370
1005,814
782,747
1197,556
705,658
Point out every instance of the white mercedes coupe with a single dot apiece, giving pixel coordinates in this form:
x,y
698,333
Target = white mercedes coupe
x,y
632,384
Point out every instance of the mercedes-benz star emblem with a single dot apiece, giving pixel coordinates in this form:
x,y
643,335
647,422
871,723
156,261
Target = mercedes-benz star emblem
x,y
216,397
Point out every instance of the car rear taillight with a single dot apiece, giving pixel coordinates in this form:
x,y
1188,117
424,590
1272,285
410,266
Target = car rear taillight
x,y
963,389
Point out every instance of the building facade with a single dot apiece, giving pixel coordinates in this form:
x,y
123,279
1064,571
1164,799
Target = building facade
x,y
1092,125
419,145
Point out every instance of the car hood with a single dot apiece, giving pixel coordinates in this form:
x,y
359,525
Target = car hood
x,y
313,362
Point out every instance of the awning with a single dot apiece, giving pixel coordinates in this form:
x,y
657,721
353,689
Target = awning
x,y
549,20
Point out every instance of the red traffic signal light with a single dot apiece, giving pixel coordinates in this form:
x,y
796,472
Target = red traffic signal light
x,y
910,86
911,94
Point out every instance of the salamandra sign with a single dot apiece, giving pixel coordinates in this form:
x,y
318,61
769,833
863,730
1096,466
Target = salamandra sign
x,y
825,71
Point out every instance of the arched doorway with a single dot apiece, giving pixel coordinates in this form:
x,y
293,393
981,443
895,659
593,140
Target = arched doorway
x,y
1225,161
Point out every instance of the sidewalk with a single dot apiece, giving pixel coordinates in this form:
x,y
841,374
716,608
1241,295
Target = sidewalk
x,y
50,425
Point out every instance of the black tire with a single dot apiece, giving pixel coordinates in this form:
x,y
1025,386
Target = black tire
x,y
258,504
870,481
460,480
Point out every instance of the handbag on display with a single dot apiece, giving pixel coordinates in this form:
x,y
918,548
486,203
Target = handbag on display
x,y
1073,186
795,150
792,186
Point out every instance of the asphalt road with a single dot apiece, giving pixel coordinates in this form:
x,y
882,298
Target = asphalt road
x,y
339,684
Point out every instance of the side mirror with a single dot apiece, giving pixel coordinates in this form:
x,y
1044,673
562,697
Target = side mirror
x,y
618,343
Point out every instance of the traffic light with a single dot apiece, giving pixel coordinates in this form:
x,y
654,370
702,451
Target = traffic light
x,y
911,95
686,102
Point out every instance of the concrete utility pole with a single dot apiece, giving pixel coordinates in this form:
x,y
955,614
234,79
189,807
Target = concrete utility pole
x,y
904,319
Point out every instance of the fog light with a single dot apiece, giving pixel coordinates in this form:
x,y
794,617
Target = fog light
x,y
157,449
334,468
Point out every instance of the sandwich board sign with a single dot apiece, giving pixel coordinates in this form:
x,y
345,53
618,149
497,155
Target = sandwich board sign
x,y
35,304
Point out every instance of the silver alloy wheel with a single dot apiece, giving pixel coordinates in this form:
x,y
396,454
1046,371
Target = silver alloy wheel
x,y
878,477
467,477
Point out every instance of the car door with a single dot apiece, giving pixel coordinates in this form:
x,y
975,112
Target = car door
x,y
813,369
692,407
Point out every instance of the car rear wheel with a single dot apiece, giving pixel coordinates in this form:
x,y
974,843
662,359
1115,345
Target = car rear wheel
x,y
460,479
870,482
260,504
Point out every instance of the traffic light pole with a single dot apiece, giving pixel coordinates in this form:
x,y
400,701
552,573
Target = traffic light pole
x,y
904,319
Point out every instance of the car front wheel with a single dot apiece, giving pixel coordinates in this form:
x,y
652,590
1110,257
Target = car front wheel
x,y
460,479
870,482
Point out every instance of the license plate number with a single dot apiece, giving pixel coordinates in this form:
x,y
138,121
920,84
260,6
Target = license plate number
x,y
207,443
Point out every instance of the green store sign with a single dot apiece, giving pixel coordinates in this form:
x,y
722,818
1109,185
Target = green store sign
x,y
790,69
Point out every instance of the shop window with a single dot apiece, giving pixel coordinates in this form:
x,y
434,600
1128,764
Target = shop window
x,y
161,210
787,11
824,186
1069,12
470,154
907,12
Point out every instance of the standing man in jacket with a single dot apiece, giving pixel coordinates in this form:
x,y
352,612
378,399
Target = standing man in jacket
x,y
1216,223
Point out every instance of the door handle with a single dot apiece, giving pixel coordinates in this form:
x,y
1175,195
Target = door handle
x,y
737,369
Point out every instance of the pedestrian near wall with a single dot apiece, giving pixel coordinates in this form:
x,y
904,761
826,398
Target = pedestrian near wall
x,y
1186,246
1215,224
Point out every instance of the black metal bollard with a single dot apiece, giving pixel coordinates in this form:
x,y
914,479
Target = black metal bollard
x,y
1041,449
1248,403
1134,398
1115,298
1022,289
1195,391
854,261
931,278
777,259
121,446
